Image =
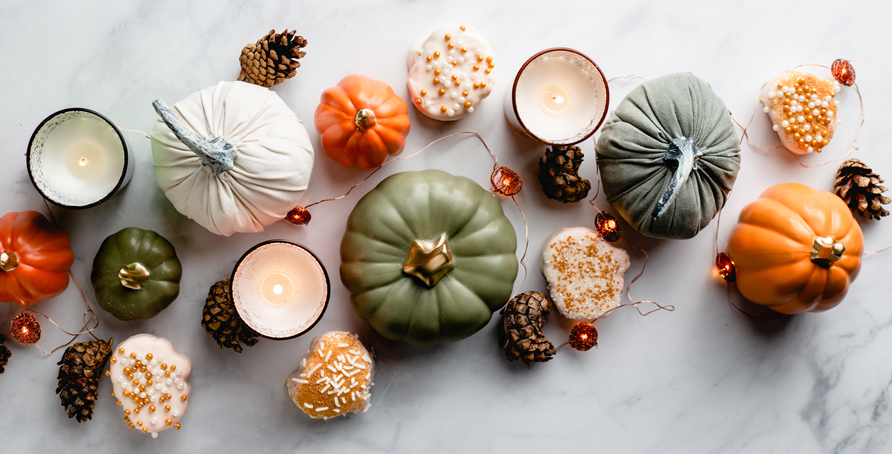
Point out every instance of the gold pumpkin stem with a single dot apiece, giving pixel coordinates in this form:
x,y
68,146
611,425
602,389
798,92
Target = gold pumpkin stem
x,y
825,251
9,261
365,119
134,276
429,261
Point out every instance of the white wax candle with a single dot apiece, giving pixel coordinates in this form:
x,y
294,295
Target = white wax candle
x,y
560,97
77,159
280,289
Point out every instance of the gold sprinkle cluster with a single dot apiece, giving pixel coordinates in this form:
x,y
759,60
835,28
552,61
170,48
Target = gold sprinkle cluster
x,y
588,275
454,81
137,372
787,96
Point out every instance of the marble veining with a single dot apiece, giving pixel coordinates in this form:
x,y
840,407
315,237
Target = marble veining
x,y
702,379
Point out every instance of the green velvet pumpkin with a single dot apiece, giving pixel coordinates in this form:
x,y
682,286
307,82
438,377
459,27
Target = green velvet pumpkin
x,y
136,274
391,257
668,156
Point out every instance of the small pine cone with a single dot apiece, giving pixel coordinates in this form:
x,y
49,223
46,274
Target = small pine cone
x,y
220,319
520,332
81,367
860,189
4,354
272,59
559,174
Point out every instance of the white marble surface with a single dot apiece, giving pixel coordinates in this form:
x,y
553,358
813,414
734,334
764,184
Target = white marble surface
x,y
700,379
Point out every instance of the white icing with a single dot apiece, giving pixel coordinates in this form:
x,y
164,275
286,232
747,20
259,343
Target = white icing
x,y
422,73
142,344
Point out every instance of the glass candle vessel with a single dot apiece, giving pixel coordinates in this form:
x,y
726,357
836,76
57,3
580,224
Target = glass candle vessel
x,y
559,97
78,158
280,289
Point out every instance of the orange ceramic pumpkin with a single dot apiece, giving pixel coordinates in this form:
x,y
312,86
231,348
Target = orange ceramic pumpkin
x,y
35,255
362,122
796,249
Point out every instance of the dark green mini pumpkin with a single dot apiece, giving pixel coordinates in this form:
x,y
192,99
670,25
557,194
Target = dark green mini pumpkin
x,y
136,274
428,257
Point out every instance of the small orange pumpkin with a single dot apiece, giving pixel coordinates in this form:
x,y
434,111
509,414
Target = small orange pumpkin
x,y
362,122
796,249
35,255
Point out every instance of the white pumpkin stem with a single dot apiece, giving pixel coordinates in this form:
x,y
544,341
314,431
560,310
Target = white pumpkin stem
x,y
685,154
217,154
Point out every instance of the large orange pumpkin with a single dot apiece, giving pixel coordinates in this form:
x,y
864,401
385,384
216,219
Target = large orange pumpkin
x,y
362,122
796,249
35,255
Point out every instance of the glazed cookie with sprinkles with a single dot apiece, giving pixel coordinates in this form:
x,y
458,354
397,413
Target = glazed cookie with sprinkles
x,y
335,378
151,382
450,72
584,272
802,109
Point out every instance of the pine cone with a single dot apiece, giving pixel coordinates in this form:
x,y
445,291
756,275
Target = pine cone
x,y
520,332
82,366
220,319
4,354
559,174
272,59
860,189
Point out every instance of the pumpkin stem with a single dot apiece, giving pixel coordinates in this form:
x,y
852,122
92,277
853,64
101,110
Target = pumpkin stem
x,y
9,261
685,154
365,119
429,261
134,276
217,154
825,251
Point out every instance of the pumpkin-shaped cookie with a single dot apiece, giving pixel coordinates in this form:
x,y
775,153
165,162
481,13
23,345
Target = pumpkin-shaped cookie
x,y
136,274
796,249
232,157
668,156
428,257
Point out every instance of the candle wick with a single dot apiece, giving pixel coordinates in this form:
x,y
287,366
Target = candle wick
x,y
83,161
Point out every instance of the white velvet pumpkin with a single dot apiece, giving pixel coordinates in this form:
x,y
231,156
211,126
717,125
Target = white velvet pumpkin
x,y
270,171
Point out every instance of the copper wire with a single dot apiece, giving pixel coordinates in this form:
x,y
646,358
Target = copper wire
x,y
132,130
630,76
745,134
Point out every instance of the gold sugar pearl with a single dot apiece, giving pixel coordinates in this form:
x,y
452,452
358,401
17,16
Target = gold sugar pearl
x,y
458,83
480,58
453,62
145,429
112,393
143,369
429,59
135,382
436,80
118,402
462,28
108,373
482,84
464,93
130,376
167,373
168,396
136,411
152,408
467,103
127,370
127,418
437,54
142,388
423,92
448,37
491,66
451,46
121,351
161,400
168,422
126,393
149,356
824,142
139,423
131,425
417,100
464,49
489,59
177,426
476,84
442,91
148,375
454,76
488,71
113,359
436,72
127,412
183,397
809,118
788,129
167,408
476,67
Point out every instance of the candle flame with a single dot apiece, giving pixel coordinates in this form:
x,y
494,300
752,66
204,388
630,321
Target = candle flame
x,y
277,289
82,162
558,99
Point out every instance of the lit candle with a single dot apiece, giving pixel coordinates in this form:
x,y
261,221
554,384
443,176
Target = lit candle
x,y
559,97
280,289
78,158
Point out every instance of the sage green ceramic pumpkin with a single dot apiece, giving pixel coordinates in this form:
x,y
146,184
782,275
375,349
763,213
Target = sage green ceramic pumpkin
x,y
428,257
136,274
669,156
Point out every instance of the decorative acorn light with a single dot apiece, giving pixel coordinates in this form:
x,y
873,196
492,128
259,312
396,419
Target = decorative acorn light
x,y
232,157
35,255
795,249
